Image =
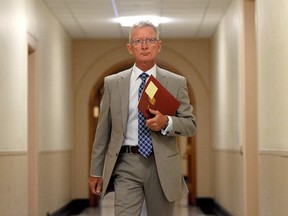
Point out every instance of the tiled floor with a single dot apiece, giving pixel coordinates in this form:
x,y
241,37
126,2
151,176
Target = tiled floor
x,y
106,209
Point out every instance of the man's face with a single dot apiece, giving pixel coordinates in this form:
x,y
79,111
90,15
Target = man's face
x,y
144,46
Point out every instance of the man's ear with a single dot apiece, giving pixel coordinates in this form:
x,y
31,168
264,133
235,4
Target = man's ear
x,y
159,46
128,46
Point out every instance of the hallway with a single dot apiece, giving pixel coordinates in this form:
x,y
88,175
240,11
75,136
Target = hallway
x,y
106,209
238,78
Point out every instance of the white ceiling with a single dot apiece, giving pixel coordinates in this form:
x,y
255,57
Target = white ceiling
x,y
93,18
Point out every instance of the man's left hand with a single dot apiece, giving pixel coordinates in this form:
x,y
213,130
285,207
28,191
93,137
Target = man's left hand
x,y
158,122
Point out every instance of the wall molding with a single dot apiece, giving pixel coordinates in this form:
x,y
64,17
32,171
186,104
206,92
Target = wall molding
x,y
19,153
238,151
55,152
211,207
13,153
273,152
74,207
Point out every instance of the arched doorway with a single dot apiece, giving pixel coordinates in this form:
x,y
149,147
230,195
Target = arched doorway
x,y
190,149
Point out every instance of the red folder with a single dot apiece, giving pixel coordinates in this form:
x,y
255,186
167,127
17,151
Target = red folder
x,y
155,96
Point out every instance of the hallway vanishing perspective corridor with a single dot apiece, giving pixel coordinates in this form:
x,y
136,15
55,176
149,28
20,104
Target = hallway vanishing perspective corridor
x,y
52,82
107,209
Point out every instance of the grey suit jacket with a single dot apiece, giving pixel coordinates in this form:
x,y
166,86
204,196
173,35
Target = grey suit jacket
x,y
112,125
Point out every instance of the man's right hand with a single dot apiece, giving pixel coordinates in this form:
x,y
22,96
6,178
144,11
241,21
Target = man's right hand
x,y
95,185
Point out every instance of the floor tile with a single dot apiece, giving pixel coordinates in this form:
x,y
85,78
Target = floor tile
x,y
106,208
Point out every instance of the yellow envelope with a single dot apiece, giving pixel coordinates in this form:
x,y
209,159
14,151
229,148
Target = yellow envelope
x,y
151,91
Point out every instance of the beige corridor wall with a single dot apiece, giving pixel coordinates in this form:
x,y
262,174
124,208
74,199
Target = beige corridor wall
x,y
56,111
93,58
18,19
227,111
272,34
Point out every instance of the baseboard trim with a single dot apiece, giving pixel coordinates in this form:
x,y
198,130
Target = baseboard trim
x,y
72,208
209,206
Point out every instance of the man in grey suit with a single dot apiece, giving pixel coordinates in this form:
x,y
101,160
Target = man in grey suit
x,y
117,156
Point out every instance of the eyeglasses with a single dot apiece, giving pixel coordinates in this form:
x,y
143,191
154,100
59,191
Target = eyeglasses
x,y
148,41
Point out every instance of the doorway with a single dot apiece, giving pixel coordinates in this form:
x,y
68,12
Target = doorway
x,y
250,146
32,131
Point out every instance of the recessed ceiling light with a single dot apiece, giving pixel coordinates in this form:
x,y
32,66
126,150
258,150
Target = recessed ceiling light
x,y
128,21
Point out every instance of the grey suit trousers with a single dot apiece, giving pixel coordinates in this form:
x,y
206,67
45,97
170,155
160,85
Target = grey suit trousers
x,y
135,180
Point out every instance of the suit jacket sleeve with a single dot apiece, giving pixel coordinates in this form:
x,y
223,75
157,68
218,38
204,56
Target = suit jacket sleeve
x,y
184,122
102,134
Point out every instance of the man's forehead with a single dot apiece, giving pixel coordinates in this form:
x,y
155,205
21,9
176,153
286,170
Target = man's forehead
x,y
143,30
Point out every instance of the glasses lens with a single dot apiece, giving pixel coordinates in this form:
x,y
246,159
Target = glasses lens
x,y
148,41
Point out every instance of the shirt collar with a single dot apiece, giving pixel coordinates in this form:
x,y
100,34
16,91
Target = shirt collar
x,y
136,72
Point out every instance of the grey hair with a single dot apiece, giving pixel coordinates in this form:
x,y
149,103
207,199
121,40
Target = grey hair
x,y
143,24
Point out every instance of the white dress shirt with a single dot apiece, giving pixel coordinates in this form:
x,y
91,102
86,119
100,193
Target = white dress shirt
x,y
131,136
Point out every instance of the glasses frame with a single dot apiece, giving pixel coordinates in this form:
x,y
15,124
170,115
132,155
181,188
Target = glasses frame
x,y
140,42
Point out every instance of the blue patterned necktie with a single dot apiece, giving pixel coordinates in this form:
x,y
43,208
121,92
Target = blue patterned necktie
x,y
144,133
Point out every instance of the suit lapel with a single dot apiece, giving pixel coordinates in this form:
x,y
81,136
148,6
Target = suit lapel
x,y
124,84
161,77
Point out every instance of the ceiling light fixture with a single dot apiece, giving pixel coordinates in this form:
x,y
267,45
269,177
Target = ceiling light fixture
x,y
128,21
